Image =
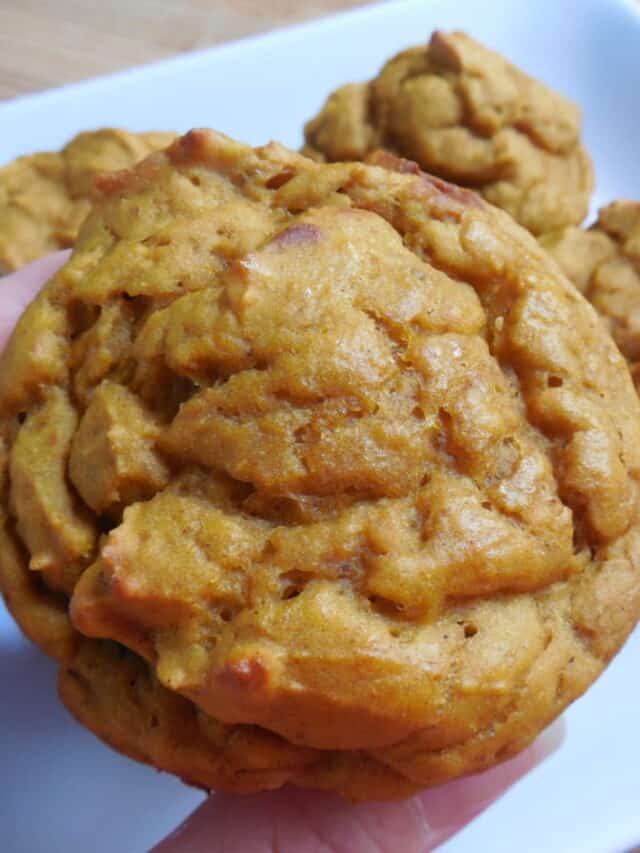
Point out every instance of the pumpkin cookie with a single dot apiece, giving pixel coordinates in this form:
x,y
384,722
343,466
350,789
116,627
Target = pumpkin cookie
x,y
466,114
318,474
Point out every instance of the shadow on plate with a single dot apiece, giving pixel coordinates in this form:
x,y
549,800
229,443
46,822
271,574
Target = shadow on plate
x,y
88,797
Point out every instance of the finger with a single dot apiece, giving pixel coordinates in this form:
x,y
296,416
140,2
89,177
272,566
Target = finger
x,y
18,289
297,821
450,807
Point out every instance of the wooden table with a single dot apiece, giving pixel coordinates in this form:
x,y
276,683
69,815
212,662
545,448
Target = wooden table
x,y
45,43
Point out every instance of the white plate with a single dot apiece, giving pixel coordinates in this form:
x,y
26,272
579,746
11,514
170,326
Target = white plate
x,y
61,790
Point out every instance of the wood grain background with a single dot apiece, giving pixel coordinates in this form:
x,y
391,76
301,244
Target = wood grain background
x,y
45,43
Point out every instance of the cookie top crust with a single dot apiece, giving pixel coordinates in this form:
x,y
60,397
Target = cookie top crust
x,y
335,449
466,114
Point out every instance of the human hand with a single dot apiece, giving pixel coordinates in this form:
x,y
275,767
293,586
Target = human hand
x,y
297,821
18,289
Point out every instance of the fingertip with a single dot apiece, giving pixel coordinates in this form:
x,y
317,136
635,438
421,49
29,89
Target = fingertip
x,y
37,272
19,288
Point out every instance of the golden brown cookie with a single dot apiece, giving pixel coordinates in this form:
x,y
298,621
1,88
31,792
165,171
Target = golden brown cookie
x,y
604,264
45,197
466,114
333,472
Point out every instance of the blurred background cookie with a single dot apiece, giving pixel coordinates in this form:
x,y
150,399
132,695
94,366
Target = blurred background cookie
x,y
465,113
604,263
44,197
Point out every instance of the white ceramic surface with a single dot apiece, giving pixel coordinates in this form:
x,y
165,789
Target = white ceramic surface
x,y
60,789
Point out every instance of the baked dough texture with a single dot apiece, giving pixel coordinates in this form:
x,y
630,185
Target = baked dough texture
x,y
45,197
466,114
319,474
604,263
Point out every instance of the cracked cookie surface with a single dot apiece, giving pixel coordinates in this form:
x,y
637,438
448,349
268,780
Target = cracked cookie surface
x,y
45,197
466,114
311,473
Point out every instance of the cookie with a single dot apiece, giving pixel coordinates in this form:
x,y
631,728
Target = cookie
x,y
604,264
325,474
466,114
45,197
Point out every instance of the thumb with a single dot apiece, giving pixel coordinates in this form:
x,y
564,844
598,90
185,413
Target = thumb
x,y
296,821
18,289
